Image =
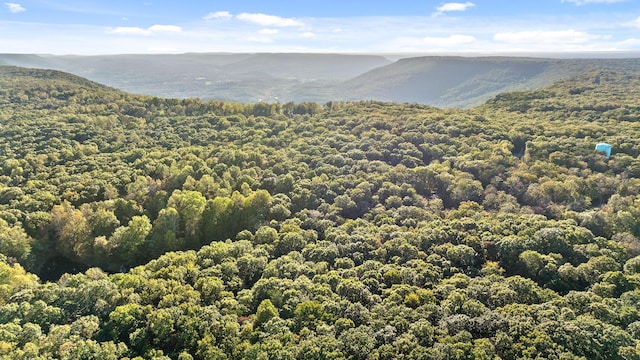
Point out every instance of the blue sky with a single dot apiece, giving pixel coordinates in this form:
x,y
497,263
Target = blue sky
x,y
400,26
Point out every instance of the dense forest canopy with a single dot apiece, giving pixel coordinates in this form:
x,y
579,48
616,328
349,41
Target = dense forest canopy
x,y
143,227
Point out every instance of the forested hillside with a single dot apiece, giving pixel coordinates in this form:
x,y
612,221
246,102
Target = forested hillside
x,y
463,82
193,229
442,81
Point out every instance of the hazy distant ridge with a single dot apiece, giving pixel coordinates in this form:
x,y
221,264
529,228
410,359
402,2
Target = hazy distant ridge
x,y
464,82
442,81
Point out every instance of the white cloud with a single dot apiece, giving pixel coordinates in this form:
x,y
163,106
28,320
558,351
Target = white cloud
x,y
14,8
260,39
308,35
451,40
545,37
435,43
225,15
269,20
269,31
634,23
129,30
454,6
132,30
583,2
391,34
165,28
629,43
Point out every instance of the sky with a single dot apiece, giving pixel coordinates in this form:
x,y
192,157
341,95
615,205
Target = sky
x,y
89,27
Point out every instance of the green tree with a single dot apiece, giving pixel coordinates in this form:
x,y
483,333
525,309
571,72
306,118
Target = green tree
x,y
190,205
266,311
126,241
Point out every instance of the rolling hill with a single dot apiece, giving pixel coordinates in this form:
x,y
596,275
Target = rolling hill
x,y
464,82
442,81
237,77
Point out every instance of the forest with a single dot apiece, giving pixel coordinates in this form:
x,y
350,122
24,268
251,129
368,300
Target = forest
x,y
139,227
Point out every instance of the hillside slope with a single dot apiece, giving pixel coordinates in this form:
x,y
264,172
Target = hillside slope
x,y
236,77
466,82
447,82
16,79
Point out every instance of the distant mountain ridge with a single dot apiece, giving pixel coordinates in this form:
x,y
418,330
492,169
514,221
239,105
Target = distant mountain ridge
x,y
443,81
465,82
236,77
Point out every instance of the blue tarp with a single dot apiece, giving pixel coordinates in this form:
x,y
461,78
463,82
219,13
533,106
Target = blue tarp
x,y
604,148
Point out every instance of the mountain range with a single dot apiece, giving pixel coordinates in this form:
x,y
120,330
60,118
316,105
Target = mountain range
x,y
442,81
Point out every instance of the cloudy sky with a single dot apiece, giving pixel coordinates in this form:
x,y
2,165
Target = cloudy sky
x,y
391,26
